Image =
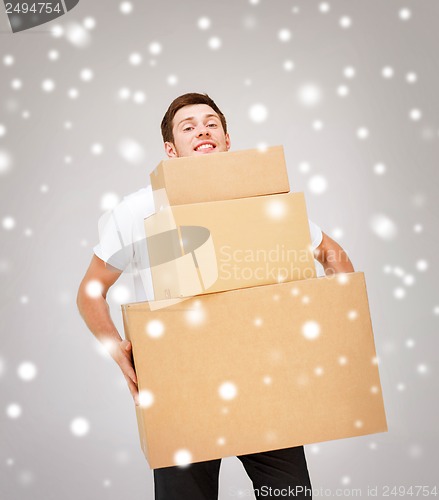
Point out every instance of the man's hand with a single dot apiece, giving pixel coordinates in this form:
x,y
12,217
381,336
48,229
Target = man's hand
x,y
123,355
332,257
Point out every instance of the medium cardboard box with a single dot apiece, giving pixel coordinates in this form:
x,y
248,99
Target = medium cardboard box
x,y
223,245
255,369
220,176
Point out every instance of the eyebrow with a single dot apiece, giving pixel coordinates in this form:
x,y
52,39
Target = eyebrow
x,y
192,117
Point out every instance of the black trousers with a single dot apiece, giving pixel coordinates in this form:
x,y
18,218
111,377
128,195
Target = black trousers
x,y
274,474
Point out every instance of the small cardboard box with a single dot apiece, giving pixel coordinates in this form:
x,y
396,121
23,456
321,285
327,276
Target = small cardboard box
x,y
223,245
255,369
221,176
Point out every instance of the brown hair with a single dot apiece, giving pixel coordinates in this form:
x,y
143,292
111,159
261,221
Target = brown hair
x,y
187,100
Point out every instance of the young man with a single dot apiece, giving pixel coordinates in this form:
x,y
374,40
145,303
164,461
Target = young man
x,y
193,125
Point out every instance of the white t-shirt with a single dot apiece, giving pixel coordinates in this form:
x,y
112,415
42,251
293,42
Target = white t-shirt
x,y
122,239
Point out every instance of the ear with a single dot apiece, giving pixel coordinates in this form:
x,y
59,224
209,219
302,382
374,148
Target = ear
x,y
170,150
228,142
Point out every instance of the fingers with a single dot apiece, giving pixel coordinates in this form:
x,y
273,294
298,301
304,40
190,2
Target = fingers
x,y
133,389
125,361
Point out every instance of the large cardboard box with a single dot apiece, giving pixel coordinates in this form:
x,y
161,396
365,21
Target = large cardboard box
x,y
224,245
220,176
255,369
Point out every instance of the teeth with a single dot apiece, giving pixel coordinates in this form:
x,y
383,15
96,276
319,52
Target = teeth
x,y
205,146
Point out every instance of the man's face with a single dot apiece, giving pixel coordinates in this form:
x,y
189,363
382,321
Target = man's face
x,y
197,131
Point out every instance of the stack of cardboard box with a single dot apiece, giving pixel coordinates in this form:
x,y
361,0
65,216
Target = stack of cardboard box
x,y
244,349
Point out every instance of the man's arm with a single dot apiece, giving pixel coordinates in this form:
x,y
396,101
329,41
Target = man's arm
x,y
94,309
332,257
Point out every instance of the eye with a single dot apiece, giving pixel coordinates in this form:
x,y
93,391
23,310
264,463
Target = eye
x,y
186,129
214,125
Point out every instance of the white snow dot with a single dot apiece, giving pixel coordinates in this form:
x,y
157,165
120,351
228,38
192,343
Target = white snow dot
x,y
411,77
24,299
379,169
275,209
172,80
109,201
228,390
422,265
196,315
417,228
126,7
27,370
288,65
96,148
317,125
267,380
68,125
139,97
318,370
135,59
324,7
400,387
89,23
146,398
214,43
79,426
345,22
106,483
120,294
48,85
383,227
86,75
94,289
57,31
8,223
408,280
8,60
131,151
155,48
28,232
77,35
415,114
13,410
337,233
415,451
362,133
258,113
436,310
399,293
405,14
410,343
342,360
68,159
73,93
317,184
342,90
304,167
203,23
422,369
5,161
182,457
358,424
124,93
309,94
16,84
345,480
349,72
220,441
155,328
374,389
258,322
342,278
387,72
352,315
2,130
254,2
10,461
284,35
25,114
311,330
53,55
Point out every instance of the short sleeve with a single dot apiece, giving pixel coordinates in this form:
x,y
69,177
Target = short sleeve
x,y
316,234
115,237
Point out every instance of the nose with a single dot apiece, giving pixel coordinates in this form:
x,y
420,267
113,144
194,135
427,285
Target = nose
x,y
203,131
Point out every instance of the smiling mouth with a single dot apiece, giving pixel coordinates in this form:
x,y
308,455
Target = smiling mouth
x,y
205,147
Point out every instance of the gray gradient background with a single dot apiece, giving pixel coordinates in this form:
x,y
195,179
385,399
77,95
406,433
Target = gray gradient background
x,y
60,202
